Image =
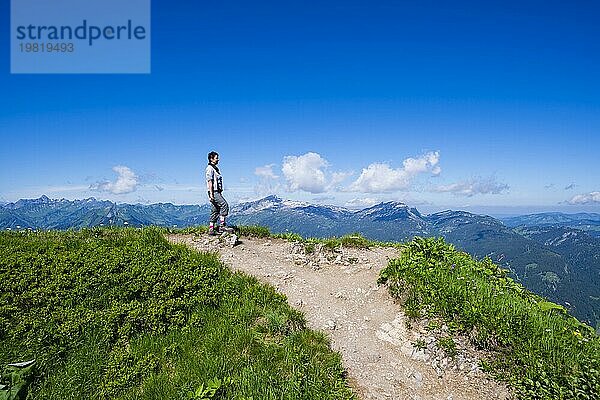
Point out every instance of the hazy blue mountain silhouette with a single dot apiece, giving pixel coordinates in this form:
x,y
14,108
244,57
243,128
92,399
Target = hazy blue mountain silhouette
x,y
589,222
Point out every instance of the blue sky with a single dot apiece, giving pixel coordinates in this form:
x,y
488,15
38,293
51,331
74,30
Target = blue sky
x,y
485,106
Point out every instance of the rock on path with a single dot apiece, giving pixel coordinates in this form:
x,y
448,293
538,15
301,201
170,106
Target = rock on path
x,y
340,295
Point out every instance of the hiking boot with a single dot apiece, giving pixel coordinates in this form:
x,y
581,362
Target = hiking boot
x,y
212,231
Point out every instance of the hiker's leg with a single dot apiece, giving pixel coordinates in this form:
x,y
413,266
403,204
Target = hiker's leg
x,y
223,207
214,212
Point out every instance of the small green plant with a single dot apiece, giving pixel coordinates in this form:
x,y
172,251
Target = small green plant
x,y
189,230
454,327
419,344
309,248
15,380
210,390
448,345
356,240
253,231
332,244
432,326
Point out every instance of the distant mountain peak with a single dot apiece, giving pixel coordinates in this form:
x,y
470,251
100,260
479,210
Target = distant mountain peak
x,y
386,205
587,221
392,211
452,213
391,203
269,202
272,197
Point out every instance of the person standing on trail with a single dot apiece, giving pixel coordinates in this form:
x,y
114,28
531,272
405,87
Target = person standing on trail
x,y
219,206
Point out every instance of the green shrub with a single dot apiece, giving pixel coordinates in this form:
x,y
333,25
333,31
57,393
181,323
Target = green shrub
x,y
253,231
309,248
191,230
242,230
56,287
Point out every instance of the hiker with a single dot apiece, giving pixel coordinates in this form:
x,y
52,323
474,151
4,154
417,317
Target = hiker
x,y
219,206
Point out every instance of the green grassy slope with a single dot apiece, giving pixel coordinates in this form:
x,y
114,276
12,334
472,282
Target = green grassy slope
x,y
123,314
541,351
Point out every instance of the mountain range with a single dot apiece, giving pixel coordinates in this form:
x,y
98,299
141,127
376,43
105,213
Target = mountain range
x,y
585,221
553,254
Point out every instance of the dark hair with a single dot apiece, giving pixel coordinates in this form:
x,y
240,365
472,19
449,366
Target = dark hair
x,y
211,155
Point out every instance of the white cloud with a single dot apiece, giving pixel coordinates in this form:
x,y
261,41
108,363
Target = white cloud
x,y
305,172
586,198
361,202
380,177
337,178
126,182
268,183
266,172
474,186
427,162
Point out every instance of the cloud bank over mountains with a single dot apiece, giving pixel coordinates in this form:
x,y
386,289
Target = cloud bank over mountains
x,y
127,182
306,172
266,172
417,180
586,198
312,173
381,177
474,186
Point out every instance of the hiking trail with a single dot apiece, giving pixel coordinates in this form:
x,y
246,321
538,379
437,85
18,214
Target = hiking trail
x,y
338,293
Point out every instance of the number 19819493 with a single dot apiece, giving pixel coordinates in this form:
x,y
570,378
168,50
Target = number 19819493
x,y
47,47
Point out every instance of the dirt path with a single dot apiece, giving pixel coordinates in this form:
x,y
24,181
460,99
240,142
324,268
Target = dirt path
x,y
341,297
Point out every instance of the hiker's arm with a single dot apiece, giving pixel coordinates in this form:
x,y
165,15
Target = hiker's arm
x,y
211,190
210,177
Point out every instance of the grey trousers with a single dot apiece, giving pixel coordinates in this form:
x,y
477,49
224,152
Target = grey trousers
x,y
218,207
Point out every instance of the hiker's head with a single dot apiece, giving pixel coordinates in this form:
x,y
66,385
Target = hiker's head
x,y
213,157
